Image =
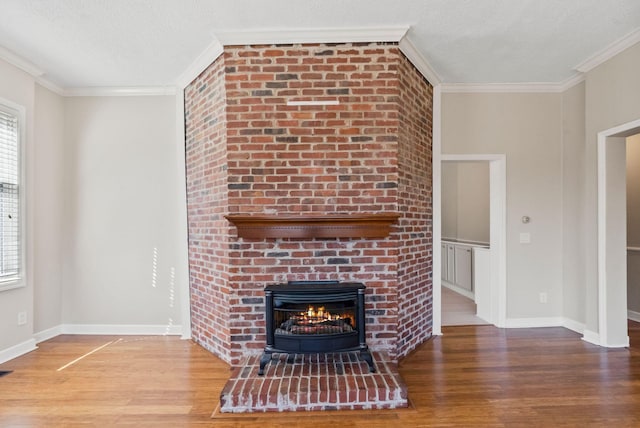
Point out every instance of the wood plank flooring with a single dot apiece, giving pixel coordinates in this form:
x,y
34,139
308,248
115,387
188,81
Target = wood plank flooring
x,y
471,376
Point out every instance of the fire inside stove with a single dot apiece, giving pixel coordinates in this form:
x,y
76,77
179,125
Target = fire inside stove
x,y
317,321
315,317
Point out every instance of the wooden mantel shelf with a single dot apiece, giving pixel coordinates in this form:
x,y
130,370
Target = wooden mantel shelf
x,y
318,226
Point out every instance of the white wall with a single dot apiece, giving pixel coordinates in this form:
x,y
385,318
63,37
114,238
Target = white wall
x,y
105,243
17,87
465,201
123,242
47,206
449,198
608,97
612,99
473,201
528,129
573,243
105,233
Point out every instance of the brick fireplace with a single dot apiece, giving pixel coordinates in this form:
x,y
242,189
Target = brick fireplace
x,y
256,147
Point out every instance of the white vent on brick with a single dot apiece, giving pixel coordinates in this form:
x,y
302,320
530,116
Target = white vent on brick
x,y
9,197
313,103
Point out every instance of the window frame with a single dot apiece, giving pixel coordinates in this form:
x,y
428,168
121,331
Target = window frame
x,y
20,279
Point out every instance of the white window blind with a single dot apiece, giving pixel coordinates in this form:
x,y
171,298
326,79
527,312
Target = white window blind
x,y
10,250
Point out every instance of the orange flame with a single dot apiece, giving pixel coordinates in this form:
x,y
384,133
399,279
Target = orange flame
x,y
319,315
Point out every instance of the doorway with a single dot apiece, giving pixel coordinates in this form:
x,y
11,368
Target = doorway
x,y
492,303
612,235
465,240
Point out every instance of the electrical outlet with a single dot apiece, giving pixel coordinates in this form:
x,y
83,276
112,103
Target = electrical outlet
x,y
543,297
22,318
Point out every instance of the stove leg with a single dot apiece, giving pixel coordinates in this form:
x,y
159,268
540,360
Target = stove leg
x,y
366,356
266,357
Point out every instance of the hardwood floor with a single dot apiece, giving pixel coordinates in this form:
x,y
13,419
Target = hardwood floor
x,y
471,376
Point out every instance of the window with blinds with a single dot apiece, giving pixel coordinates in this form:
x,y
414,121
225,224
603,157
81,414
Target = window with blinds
x,y
10,243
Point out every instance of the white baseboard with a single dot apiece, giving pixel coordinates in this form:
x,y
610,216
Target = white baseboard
x,y
546,322
633,316
47,334
591,337
595,339
122,329
623,344
17,350
534,322
576,326
109,329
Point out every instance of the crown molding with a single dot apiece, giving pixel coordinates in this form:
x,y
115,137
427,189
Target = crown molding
x,y
204,60
571,81
472,88
16,60
609,52
30,68
409,49
324,35
46,83
38,75
479,88
120,91
536,87
319,35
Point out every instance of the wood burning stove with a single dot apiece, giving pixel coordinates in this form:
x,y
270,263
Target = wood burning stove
x,y
306,317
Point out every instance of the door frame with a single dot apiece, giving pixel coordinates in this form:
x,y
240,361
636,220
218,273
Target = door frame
x,y
612,283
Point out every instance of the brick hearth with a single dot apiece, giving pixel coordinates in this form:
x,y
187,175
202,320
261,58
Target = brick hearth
x,y
314,382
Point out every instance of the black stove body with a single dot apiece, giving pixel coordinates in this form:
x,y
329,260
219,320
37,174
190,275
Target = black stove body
x,y
308,317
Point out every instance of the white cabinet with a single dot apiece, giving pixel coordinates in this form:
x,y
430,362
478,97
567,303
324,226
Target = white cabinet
x,y
462,271
457,267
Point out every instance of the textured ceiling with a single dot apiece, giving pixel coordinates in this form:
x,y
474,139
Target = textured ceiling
x,y
107,43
